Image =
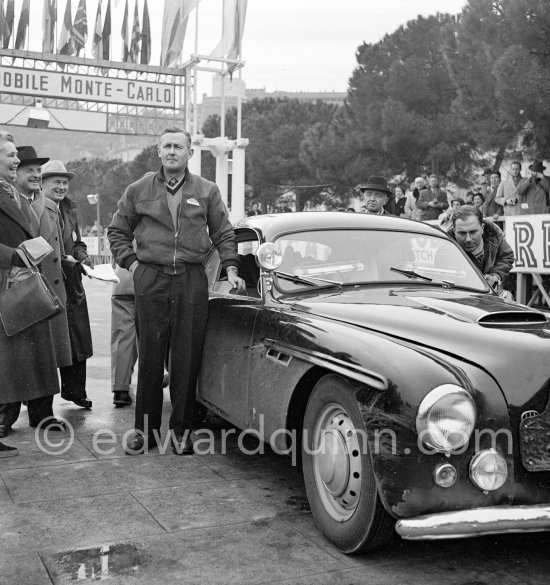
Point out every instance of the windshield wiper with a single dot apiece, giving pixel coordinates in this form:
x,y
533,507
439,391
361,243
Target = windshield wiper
x,y
306,279
410,274
293,278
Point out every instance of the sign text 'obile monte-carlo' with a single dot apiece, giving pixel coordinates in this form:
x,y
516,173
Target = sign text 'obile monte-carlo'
x,y
84,87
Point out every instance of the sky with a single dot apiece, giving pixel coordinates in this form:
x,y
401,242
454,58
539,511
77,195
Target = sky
x,y
288,45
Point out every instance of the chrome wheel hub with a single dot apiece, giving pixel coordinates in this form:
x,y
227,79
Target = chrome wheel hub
x,y
336,453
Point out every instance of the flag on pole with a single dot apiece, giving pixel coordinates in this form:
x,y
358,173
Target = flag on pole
x,y
174,23
145,36
233,27
135,42
106,41
4,28
240,15
80,27
10,21
49,16
22,26
125,39
66,44
97,43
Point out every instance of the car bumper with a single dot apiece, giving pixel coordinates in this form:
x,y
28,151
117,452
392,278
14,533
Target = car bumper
x,y
476,522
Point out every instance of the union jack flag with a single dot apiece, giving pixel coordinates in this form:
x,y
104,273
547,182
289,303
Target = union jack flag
x,y
80,26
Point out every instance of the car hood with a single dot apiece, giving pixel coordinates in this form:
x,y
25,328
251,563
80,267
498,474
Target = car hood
x,y
510,341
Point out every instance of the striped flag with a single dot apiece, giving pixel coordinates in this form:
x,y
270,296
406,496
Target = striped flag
x,y
80,27
22,26
124,33
145,36
97,44
134,44
49,16
107,32
174,23
10,20
66,43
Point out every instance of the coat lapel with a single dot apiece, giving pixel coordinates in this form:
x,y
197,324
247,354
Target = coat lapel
x,y
9,207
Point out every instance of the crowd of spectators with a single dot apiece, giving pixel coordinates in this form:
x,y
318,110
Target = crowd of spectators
x,y
496,194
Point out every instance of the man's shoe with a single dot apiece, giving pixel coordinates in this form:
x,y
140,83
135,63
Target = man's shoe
x,y
5,430
6,451
49,424
182,445
82,402
121,398
139,444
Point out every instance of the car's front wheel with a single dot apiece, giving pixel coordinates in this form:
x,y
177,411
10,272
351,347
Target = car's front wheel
x,y
338,472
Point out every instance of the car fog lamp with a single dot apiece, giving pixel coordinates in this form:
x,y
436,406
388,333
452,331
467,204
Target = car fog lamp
x,y
446,418
488,470
445,475
269,256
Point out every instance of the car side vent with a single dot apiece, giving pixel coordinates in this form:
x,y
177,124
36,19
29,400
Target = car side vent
x,y
278,357
512,319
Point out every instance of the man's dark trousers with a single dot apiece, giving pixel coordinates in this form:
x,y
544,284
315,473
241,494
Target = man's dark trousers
x,y
171,313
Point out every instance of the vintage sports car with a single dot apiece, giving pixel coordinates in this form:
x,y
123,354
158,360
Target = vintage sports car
x,y
418,399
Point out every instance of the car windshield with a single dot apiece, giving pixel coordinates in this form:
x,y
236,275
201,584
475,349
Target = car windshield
x,y
348,257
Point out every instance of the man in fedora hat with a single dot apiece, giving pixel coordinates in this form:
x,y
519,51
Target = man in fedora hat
x,y
432,201
533,194
55,183
46,221
375,195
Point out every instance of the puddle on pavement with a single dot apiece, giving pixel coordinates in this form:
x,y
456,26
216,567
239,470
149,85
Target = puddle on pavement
x,y
97,563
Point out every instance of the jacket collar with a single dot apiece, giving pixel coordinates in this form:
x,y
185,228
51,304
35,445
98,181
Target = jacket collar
x,y
162,177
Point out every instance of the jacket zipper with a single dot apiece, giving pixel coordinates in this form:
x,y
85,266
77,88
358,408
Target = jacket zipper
x,y
178,227
176,238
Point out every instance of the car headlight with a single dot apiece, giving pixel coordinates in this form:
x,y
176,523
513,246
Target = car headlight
x,y
446,418
488,470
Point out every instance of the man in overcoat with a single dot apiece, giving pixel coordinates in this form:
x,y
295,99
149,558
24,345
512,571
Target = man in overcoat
x,y
432,201
27,359
55,184
45,220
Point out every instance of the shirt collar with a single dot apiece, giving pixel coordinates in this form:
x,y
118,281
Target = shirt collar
x,y
185,176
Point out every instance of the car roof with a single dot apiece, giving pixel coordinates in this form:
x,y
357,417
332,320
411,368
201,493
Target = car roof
x,y
272,224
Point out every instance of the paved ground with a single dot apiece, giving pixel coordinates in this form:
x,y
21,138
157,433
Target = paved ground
x,y
88,514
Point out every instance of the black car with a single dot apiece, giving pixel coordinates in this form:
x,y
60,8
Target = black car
x,y
373,348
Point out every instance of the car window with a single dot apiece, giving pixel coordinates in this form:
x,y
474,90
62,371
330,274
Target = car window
x,y
248,270
367,256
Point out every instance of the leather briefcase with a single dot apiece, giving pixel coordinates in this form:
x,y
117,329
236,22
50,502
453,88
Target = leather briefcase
x,y
27,302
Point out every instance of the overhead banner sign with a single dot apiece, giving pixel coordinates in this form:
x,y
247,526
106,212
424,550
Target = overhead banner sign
x,y
529,237
54,84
